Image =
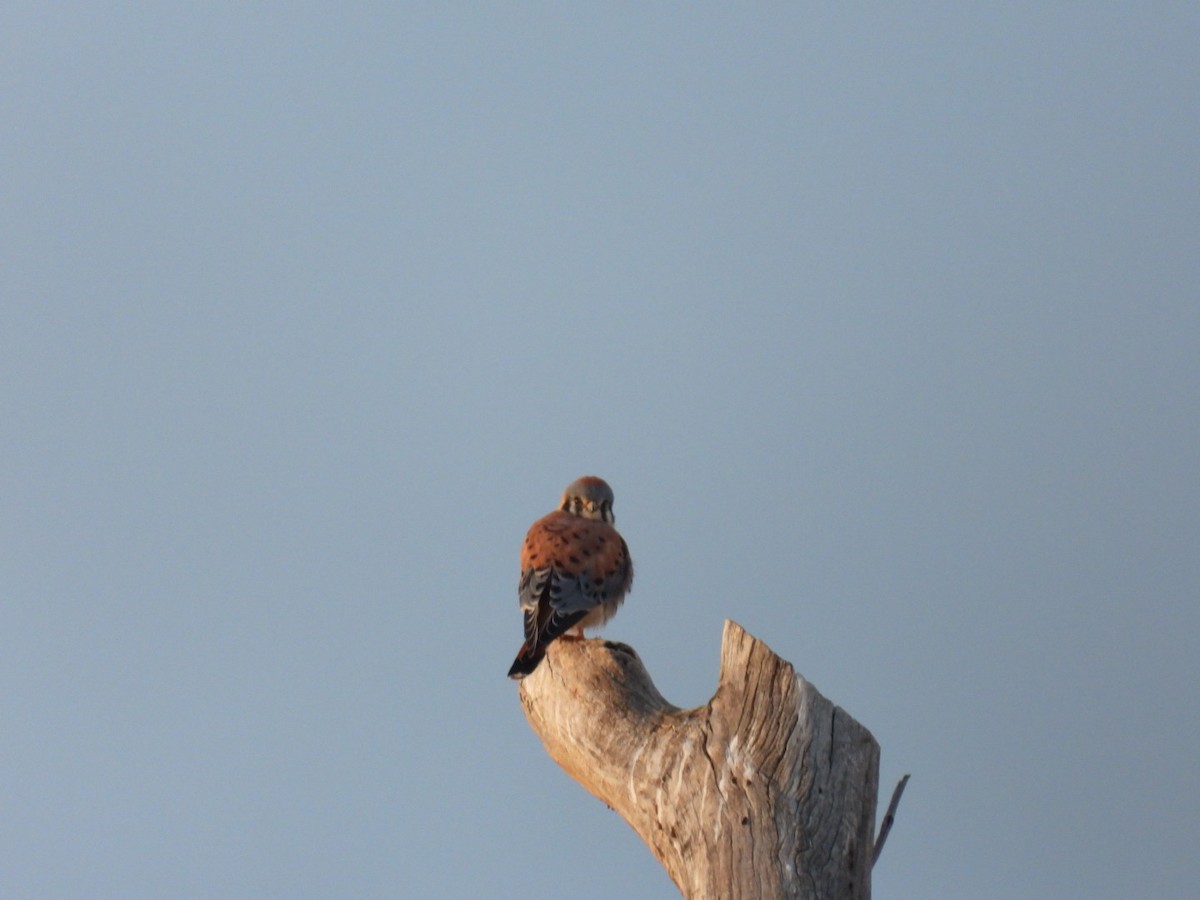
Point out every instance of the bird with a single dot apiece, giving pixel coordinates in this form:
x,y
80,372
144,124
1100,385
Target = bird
x,y
575,570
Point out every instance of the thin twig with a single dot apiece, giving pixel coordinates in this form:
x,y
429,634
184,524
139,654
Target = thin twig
x,y
888,818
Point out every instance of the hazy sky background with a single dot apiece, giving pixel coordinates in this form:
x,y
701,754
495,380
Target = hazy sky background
x,y
884,325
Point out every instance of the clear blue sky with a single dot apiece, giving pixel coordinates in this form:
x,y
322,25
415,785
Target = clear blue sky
x,y
883,325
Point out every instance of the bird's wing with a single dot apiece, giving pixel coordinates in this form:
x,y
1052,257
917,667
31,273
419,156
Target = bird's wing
x,y
585,562
569,566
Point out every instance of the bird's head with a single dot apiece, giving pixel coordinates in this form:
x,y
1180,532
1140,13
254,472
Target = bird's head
x,y
590,498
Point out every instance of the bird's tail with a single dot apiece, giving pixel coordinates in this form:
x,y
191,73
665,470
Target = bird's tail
x,y
527,660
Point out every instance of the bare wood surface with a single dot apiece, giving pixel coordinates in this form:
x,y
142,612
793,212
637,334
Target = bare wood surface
x,y
889,817
767,791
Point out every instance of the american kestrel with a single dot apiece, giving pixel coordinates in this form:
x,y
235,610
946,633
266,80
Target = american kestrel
x,y
575,570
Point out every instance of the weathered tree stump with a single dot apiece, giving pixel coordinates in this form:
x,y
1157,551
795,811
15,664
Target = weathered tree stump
x,y
768,791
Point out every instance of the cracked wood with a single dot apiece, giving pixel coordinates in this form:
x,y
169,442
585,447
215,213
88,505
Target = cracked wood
x,y
767,791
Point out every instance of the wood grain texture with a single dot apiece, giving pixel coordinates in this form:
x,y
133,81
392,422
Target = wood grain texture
x,y
767,791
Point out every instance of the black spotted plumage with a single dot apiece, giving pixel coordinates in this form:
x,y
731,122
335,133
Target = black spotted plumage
x,y
575,571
